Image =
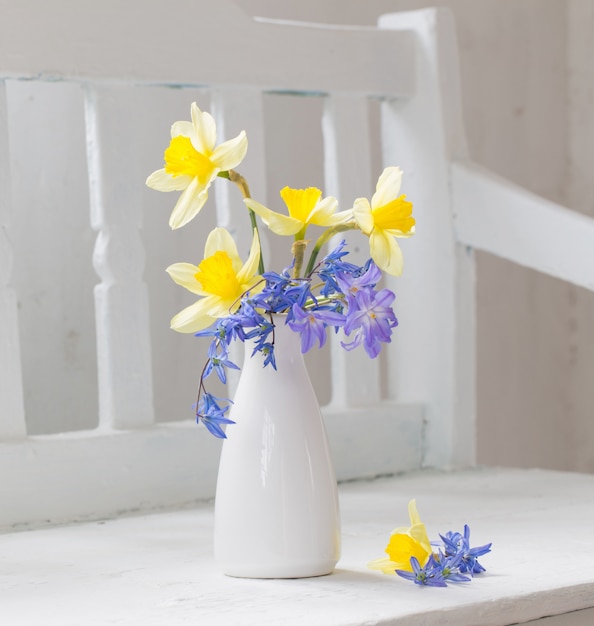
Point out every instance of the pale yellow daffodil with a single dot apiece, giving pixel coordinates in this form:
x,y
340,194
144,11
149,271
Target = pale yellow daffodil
x,y
305,206
387,217
192,162
220,279
404,543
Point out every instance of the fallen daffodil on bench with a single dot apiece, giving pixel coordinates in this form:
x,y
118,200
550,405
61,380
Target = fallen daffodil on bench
x,y
412,556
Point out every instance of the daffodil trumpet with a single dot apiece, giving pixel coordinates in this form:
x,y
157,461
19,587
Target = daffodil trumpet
x,y
405,543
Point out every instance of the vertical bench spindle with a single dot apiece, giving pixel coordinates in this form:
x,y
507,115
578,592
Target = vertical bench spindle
x,y
123,338
347,156
434,357
12,420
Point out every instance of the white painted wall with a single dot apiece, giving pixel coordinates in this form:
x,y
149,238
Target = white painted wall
x,y
527,89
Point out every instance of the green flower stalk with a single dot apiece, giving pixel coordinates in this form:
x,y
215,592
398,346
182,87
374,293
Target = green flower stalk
x,y
241,183
324,237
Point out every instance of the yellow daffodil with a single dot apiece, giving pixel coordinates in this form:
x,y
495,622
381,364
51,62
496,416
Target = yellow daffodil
x,y
388,216
220,279
404,543
305,206
192,161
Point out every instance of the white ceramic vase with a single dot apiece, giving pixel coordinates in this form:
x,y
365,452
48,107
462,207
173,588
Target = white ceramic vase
x,y
276,507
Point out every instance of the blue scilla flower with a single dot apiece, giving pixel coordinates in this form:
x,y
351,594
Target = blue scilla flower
x,y
267,349
456,543
273,300
226,330
333,261
246,316
329,283
450,567
330,265
212,414
251,321
337,253
429,575
218,360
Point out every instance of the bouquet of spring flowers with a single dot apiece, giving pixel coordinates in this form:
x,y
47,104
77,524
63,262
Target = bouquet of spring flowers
x,y
237,300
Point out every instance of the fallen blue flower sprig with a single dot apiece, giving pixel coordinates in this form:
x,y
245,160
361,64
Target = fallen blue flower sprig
x,y
450,564
413,557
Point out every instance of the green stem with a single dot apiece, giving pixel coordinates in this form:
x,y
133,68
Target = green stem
x,y
340,228
323,300
241,182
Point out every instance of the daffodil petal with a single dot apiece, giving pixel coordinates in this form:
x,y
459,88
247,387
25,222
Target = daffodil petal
x,y
419,533
162,181
250,267
188,204
283,224
386,252
257,208
388,187
184,274
413,514
341,217
205,129
194,317
385,565
230,153
221,239
186,129
362,215
398,233
278,224
322,213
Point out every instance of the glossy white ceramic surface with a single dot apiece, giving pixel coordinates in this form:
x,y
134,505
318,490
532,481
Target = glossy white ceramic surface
x,y
276,508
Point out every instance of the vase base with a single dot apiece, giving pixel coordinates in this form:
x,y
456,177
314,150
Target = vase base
x,y
307,570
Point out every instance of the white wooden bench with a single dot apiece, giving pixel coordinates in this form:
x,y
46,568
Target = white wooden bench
x,y
88,433
158,569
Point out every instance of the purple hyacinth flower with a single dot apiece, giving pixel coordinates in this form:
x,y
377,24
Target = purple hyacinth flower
x,y
371,318
311,324
351,283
